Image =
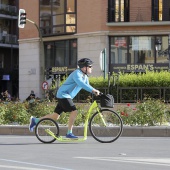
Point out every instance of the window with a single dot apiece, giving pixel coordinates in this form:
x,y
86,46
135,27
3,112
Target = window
x,y
160,10
61,54
118,10
139,50
57,17
119,50
142,49
162,55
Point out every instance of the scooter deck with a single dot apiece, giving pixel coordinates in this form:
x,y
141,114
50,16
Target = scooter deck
x,y
64,139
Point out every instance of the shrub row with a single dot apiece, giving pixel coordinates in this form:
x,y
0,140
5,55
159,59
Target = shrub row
x,y
147,79
19,113
151,112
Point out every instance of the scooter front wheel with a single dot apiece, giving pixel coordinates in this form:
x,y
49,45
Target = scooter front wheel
x,y
106,126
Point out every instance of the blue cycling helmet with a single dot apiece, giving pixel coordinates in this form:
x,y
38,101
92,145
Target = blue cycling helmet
x,y
84,62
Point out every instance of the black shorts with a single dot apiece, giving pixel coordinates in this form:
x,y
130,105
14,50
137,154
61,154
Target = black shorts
x,y
64,105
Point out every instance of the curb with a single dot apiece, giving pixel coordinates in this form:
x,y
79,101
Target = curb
x,y
128,131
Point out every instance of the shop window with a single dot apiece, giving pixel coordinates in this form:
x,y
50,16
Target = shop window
x,y
142,50
139,50
161,47
138,53
61,53
118,50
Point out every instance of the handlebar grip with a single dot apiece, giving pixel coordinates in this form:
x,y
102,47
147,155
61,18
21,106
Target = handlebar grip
x,y
101,93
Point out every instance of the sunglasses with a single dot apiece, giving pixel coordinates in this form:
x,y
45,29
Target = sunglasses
x,y
90,66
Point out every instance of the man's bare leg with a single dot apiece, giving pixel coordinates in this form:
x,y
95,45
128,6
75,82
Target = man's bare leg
x,y
53,116
72,118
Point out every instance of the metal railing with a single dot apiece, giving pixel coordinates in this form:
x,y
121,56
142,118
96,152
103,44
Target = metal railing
x,y
8,38
130,94
8,9
135,94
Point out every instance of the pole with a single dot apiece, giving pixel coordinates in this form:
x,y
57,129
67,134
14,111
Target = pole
x,y
169,49
41,40
104,62
42,47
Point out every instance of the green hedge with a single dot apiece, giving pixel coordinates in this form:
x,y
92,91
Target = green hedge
x,y
129,80
147,79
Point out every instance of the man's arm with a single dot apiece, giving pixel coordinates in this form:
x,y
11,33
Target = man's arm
x,y
85,85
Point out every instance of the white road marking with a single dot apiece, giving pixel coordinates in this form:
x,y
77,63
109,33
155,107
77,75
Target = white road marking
x,y
147,161
33,164
18,167
16,137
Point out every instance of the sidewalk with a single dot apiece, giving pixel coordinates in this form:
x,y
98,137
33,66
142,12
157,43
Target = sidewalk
x,y
133,131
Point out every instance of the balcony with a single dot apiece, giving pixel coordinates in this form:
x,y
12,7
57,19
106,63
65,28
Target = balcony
x,y
8,40
8,11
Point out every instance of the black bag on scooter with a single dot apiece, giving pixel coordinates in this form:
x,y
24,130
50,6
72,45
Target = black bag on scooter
x,y
107,100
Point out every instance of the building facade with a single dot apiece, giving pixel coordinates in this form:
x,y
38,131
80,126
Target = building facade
x,y
118,35
9,48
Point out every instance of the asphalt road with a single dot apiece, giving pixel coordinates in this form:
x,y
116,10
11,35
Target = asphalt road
x,y
127,153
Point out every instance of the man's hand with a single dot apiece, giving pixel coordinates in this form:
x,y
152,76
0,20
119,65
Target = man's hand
x,y
96,92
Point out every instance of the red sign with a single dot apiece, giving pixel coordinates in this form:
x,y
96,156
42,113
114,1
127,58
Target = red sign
x,y
45,85
120,43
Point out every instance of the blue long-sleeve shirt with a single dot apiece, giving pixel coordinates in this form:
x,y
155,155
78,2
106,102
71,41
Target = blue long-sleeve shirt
x,y
76,81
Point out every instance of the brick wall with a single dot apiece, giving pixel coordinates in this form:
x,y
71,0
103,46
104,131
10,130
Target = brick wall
x,y
32,11
91,15
140,11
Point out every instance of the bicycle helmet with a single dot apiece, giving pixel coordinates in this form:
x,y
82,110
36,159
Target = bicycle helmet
x,y
84,62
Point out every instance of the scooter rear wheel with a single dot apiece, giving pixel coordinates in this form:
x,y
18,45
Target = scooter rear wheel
x,y
42,126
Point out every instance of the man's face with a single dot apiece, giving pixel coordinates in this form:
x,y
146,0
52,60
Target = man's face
x,y
88,69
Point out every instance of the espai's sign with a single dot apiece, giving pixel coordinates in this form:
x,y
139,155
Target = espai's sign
x,y
138,67
59,70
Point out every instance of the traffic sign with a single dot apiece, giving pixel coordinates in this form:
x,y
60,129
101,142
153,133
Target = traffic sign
x,y
45,85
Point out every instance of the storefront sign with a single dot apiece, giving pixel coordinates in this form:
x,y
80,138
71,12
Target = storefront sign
x,y
138,67
120,42
59,70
